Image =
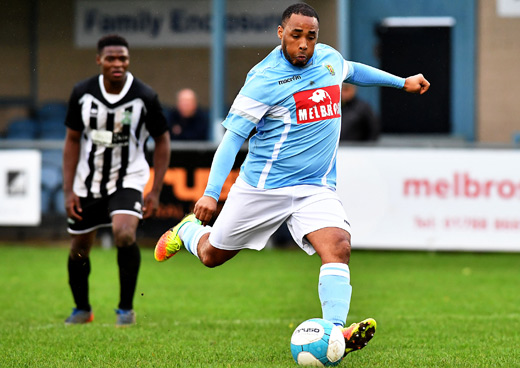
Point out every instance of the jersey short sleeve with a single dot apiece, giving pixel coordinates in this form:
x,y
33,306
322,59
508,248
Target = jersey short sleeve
x,y
73,119
155,120
347,70
249,106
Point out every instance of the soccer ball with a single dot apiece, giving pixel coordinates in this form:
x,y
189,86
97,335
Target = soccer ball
x,y
317,343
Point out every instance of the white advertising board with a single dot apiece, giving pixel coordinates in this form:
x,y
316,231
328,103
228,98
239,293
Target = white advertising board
x,y
508,8
20,182
432,199
180,23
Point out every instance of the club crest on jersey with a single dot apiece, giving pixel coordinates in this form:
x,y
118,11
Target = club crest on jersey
x,y
317,104
331,69
127,118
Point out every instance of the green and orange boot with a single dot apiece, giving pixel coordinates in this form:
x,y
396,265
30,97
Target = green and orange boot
x,y
170,242
357,335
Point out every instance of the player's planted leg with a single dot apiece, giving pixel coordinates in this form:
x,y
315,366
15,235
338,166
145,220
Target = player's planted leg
x,y
125,317
335,291
79,316
334,286
79,270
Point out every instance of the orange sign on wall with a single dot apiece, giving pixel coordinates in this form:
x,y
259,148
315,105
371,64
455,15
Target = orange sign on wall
x,y
176,181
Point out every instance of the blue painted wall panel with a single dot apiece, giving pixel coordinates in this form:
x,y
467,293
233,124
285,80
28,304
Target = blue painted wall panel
x,y
365,15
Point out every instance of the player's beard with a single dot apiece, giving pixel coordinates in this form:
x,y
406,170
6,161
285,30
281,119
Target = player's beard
x,y
292,60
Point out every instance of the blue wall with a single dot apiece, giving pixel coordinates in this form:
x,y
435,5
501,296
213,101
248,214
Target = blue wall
x,y
366,14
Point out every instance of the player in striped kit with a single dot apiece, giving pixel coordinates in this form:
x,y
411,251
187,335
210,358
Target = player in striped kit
x,y
292,100
109,119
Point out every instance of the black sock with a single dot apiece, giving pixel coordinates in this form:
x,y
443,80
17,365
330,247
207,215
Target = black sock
x,y
129,260
79,269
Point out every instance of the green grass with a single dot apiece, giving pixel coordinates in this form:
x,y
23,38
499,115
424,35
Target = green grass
x,y
433,310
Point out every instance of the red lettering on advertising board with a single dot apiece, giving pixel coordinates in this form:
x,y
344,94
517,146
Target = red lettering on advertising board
x,y
461,185
507,224
466,223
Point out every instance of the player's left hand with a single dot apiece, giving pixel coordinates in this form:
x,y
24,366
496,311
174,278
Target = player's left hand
x,y
151,205
416,84
205,208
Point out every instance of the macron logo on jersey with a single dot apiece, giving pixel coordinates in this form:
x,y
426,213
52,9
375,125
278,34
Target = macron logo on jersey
x,y
317,104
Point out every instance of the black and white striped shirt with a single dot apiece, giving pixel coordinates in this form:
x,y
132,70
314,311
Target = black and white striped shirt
x,y
115,129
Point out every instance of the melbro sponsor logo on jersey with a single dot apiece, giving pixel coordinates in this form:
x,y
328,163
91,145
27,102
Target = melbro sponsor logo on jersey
x,y
317,104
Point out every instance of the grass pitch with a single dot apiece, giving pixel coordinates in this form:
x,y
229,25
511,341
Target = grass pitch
x,y
432,309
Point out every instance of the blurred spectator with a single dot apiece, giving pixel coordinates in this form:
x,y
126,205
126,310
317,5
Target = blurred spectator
x,y
188,121
358,121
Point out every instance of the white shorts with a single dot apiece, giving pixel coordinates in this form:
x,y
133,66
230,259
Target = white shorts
x,y
251,215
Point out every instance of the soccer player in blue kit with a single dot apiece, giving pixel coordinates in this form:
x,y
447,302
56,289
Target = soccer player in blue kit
x,y
292,99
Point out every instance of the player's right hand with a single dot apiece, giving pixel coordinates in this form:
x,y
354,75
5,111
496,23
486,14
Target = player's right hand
x,y
205,208
73,206
416,84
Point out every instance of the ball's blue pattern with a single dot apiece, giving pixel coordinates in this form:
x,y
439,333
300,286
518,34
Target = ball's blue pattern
x,y
317,348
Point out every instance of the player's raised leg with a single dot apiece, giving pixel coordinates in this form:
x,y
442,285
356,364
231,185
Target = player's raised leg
x,y
171,242
194,237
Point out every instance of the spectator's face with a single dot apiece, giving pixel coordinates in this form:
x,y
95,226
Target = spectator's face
x,y
348,92
187,103
299,36
114,62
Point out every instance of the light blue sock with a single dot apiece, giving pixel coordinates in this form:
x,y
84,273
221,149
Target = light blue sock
x,y
335,291
190,234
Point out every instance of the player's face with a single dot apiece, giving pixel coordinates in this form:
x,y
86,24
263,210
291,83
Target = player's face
x,y
114,61
299,37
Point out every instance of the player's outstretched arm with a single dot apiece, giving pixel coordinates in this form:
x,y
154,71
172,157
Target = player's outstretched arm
x,y
416,84
365,75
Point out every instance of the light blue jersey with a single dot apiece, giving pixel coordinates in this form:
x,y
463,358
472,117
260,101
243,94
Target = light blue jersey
x,y
297,116
296,112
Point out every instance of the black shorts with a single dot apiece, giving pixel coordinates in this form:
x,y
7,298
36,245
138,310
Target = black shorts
x,y
98,212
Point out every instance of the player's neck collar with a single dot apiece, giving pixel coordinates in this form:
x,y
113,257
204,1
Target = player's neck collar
x,y
111,97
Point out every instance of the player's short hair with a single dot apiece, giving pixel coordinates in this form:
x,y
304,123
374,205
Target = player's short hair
x,y
299,8
111,40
